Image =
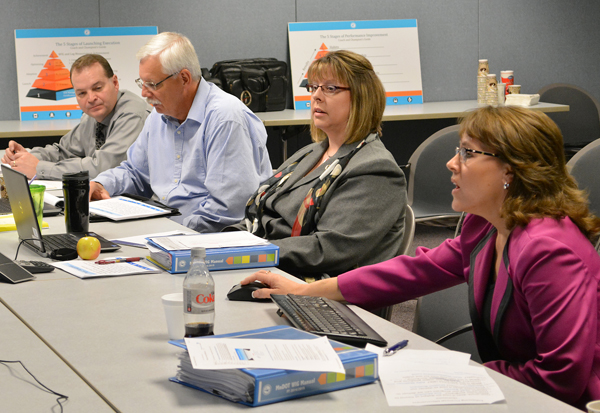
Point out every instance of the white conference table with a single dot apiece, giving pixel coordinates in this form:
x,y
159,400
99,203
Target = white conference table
x,y
288,117
423,111
112,331
36,128
20,392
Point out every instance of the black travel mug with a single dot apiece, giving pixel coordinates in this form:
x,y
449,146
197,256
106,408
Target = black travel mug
x,y
76,189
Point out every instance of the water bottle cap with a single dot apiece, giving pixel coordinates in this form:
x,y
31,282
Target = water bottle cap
x,y
198,252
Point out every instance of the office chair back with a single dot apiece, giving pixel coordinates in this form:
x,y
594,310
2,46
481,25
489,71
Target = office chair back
x,y
443,313
409,235
409,231
443,316
459,224
429,186
581,124
585,168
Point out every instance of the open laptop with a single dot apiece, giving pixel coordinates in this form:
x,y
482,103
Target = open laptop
x,y
28,228
49,209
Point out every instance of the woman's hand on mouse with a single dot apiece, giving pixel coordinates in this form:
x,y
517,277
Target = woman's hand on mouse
x,y
277,283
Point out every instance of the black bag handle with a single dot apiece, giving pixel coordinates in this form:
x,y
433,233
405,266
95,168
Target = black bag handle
x,y
246,72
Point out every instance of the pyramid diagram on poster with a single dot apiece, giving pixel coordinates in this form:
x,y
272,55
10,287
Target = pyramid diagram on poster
x,y
322,52
53,82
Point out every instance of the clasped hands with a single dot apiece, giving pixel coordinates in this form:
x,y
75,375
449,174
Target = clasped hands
x,y
20,159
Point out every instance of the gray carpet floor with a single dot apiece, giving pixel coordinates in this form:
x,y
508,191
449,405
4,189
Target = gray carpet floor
x,y
429,236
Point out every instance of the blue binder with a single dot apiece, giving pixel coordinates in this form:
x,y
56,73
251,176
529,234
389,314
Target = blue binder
x,y
234,258
270,386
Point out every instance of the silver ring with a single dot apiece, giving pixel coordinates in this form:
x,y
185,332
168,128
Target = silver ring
x,y
268,271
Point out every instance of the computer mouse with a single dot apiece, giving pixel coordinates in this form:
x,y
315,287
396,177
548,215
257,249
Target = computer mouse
x,y
244,292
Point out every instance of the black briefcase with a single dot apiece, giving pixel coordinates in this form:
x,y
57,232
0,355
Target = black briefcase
x,y
260,83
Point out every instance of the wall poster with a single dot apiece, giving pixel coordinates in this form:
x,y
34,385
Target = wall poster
x,y
45,56
392,47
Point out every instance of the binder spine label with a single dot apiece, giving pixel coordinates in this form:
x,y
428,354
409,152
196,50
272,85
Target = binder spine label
x,y
301,384
263,257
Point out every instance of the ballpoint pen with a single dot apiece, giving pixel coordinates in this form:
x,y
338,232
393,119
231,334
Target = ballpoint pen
x,y
32,179
390,351
132,259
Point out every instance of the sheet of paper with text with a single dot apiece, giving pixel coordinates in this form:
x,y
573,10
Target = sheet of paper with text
x,y
392,47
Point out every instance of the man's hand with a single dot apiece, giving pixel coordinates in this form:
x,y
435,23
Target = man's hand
x,y
25,163
97,191
11,151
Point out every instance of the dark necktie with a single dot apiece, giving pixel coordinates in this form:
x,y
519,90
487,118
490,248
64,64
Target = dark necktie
x,y
99,135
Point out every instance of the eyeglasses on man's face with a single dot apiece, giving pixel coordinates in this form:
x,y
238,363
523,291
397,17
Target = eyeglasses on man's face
x,y
328,90
464,153
152,85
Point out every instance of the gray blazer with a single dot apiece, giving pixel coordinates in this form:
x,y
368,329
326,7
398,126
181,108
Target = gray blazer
x,y
362,218
77,151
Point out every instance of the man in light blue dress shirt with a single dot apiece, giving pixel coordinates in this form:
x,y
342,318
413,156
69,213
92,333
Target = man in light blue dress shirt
x,y
201,150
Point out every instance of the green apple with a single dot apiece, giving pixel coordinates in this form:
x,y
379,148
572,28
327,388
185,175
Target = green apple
x,y
88,248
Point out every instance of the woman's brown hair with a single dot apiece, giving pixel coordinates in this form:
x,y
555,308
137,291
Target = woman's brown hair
x,y
366,92
532,144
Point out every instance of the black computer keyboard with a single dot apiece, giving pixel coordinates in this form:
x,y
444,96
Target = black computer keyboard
x,y
56,241
5,206
36,267
322,316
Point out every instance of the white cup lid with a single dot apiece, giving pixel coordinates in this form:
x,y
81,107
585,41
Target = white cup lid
x,y
172,298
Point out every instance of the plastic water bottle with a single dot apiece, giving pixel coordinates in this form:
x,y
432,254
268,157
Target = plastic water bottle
x,y
198,297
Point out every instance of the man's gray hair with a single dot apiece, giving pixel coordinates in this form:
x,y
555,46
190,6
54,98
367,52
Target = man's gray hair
x,y
175,52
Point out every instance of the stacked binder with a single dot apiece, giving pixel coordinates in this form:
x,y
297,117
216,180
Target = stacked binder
x,y
232,257
256,387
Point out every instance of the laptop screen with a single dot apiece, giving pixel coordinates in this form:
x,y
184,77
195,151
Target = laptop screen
x,y
17,188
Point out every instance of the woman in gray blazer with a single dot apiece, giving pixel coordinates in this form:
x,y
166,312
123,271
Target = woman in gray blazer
x,y
338,203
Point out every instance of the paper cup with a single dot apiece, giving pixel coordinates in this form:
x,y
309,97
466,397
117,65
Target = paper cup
x,y
501,98
508,78
514,89
173,305
484,67
593,407
3,188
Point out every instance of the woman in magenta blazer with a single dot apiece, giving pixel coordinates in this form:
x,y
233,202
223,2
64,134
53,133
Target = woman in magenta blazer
x,y
524,250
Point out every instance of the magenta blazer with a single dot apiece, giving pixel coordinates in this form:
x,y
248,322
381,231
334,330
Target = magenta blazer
x,y
544,317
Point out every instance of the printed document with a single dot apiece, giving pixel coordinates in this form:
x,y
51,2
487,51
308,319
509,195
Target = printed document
x,y
141,241
234,353
50,185
120,208
88,269
216,240
432,377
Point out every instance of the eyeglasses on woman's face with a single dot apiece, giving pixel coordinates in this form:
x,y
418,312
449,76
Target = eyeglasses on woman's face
x,y
465,153
328,90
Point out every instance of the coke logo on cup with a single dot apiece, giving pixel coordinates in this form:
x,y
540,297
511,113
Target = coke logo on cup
x,y
202,299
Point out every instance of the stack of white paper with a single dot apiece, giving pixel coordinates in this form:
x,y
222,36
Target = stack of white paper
x,y
216,240
141,241
431,377
120,208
